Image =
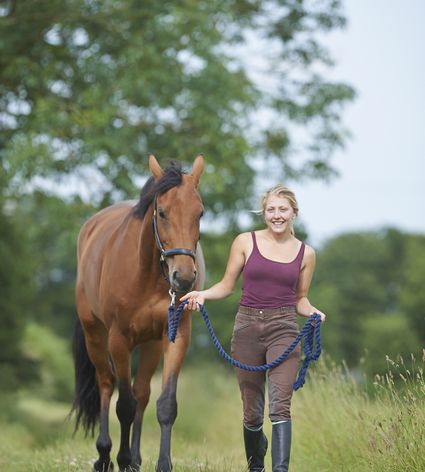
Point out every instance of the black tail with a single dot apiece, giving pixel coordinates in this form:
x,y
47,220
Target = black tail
x,y
87,399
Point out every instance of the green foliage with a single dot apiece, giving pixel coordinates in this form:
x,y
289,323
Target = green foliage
x,y
53,357
358,276
87,88
387,335
412,298
15,368
52,236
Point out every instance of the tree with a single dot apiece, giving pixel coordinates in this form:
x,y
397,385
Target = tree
x,y
14,297
52,237
412,298
365,280
348,279
89,87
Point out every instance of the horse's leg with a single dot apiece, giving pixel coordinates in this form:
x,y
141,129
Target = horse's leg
x,y
96,343
166,405
120,349
149,356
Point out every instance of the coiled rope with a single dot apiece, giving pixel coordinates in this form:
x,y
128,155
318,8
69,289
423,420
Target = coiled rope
x,y
310,332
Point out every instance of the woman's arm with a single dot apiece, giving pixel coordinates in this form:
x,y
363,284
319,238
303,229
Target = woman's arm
x,y
304,307
225,287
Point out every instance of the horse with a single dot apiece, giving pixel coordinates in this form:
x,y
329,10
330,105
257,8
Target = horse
x,y
131,257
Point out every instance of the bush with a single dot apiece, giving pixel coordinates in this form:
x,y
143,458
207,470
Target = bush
x,y
386,335
53,355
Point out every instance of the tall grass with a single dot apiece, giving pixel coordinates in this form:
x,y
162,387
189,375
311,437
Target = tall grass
x,y
337,426
340,428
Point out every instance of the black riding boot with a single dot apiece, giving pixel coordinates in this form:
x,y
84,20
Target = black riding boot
x,y
255,448
281,446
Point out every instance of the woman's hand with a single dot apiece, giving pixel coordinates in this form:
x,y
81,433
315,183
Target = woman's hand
x,y
194,299
322,315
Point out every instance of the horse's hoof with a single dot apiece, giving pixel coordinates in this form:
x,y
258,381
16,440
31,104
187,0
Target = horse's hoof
x,y
163,466
130,468
136,462
100,466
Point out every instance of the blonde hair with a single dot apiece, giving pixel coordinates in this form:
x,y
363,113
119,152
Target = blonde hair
x,y
280,190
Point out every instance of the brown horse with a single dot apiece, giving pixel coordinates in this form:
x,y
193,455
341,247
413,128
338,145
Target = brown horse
x,y
122,300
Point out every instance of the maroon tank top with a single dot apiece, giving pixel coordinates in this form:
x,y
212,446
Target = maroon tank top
x,y
267,283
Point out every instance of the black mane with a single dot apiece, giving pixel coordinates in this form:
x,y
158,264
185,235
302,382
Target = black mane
x,y
172,178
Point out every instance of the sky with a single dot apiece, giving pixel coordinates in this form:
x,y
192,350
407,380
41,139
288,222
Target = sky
x,y
382,169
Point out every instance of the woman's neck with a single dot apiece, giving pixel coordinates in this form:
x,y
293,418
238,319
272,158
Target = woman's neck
x,y
279,237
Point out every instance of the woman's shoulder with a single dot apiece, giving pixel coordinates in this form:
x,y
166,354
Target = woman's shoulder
x,y
243,237
309,256
309,252
243,241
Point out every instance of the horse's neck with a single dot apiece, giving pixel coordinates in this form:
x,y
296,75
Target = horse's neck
x,y
148,252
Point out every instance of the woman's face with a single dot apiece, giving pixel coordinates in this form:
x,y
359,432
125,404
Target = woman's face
x,y
278,214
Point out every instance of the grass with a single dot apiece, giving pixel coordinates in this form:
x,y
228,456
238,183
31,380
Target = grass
x,y
337,426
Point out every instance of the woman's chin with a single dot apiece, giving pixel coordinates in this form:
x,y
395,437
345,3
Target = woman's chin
x,y
278,229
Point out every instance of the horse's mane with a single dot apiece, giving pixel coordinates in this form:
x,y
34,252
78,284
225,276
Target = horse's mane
x,y
172,178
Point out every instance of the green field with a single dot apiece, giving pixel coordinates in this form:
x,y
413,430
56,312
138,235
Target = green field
x,y
337,426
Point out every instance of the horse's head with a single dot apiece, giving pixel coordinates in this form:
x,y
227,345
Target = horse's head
x,y
177,213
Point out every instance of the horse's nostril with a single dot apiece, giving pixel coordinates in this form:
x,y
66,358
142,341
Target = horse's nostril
x,y
175,274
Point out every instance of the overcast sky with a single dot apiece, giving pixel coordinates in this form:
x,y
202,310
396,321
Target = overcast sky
x,y
382,181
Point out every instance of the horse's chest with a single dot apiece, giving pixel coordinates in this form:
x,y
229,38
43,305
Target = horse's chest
x,y
148,324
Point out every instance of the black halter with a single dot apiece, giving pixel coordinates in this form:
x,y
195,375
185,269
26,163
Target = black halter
x,y
178,251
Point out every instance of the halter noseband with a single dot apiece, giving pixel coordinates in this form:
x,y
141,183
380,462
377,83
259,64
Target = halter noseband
x,y
178,251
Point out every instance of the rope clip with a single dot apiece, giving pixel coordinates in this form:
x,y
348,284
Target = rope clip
x,y
173,297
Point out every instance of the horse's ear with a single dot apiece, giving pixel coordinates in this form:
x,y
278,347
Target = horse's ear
x,y
154,167
198,167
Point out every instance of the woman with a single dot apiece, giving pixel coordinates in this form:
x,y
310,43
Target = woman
x,y
277,270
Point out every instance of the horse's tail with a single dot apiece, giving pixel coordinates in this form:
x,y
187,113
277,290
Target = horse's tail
x,y
86,403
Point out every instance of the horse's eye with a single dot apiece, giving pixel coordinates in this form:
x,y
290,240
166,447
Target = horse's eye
x,y
161,214
201,215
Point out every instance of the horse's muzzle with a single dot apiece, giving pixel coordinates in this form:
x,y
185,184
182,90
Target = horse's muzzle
x,y
181,283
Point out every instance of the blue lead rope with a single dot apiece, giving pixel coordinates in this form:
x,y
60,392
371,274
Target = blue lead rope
x,y
310,332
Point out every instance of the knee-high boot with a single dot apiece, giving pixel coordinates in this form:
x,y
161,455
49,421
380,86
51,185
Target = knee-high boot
x,y
281,446
255,448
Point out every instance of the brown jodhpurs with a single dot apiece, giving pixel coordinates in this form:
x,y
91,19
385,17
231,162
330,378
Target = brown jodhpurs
x,y
259,336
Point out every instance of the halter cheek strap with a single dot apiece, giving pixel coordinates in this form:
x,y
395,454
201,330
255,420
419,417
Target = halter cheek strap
x,y
178,251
